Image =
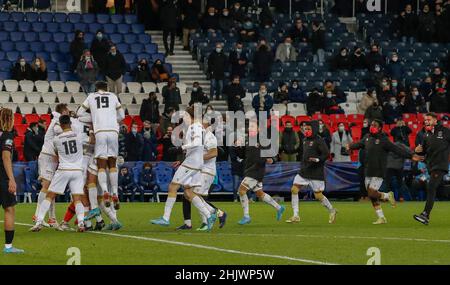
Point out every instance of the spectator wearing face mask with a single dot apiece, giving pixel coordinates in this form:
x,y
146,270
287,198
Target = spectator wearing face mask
x,y
115,68
324,133
147,181
190,11
426,26
39,69
234,93
375,58
262,62
391,111
299,33
149,152
238,61
339,140
401,132
437,75
210,21
408,24
226,23
141,72
87,71
134,144
33,143
197,95
358,59
415,102
342,60
286,52
262,102
318,43
365,128
150,109
21,70
289,144
282,95
238,13
384,91
266,23
248,32
159,73
338,95
426,88
375,77
395,87
395,69
374,112
100,49
171,95
77,48
126,185
296,93
439,102
330,105
217,66
367,100
169,15
314,103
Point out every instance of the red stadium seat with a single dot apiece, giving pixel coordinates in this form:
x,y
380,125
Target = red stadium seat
x,y
300,119
337,117
21,129
32,118
420,117
412,140
356,133
409,117
127,121
18,119
47,118
287,118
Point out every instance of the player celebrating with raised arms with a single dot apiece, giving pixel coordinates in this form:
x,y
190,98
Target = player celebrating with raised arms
x,y
315,154
254,171
189,173
106,112
68,146
376,147
436,148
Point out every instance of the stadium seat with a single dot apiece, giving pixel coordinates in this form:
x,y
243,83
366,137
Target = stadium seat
x,y
21,129
27,55
60,17
88,18
134,87
16,36
31,118
123,48
139,97
66,28
126,99
103,18
74,18
137,29
4,16
21,46
150,48
38,27
136,48
4,96
295,109
46,117
26,108
130,58
5,65
34,97
116,19
116,38
287,118
64,98
4,36
133,109
57,86
32,17
225,176
37,47
302,118
26,85
130,38
11,85
52,27
59,37
18,97
144,39
130,19
23,27
163,175
109,28
49,97
45,37
41,108
9,26
73,86
123,28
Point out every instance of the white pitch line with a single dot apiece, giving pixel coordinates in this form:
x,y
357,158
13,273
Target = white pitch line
x,y
205,247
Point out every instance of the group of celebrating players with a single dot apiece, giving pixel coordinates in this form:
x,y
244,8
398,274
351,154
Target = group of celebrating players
x,y
80,153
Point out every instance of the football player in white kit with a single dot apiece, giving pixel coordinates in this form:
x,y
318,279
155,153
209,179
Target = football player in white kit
x,y
106,112
68,146
48,163
210,154
189,173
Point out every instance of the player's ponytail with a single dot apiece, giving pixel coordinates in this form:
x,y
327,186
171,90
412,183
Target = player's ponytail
x,y
6,120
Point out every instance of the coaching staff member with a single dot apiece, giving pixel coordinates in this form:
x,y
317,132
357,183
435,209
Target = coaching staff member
x,y
436,148
7,182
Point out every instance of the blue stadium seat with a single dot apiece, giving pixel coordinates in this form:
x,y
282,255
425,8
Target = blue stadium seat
x,y
28,55
144,39
67,76
23,26
225,176
59,37
46,17
88,18
38,27
17,17
64,47
30,36
12,56
109,28
43,4
50,47
159,56
137,29
52,27
21,46
129,58
89,37
15,36
4,16
116,38
168,67
9,26
36,46
53,76
123,47
74,18
4,36
32,17
80,26
63,66
128,78
45,37
5,65
103,19
57,57
60,17
140,56
44,55
66,27
130,38
51,65
32,184
136,48
116,19
151,48
163,175
94,27
7,46
4,75
2,55
123,28
130,19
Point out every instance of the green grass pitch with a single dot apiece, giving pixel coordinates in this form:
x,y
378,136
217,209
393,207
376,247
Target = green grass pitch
x,y
263,242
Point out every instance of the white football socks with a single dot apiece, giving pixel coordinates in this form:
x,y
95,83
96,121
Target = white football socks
x,y
326,203
43,209
114,181
244,204
102,181
294,202
41,197
79,210
269,200
168,207
200,205
92,191
379,213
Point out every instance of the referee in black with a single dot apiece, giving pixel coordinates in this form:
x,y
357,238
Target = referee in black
x,y
436,148
7,181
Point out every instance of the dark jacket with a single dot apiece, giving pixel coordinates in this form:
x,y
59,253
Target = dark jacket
x,y
254,164
147,180
149,152
390,113
376,149
299,35
408,25
374,112
191,12
401,134
297,95
18,73
288,142
318,40
115,66
373,59
395,70
234,94
226,23
280,97
77,47
358,62
169,13
210,22
237,156
217,65
32,145
198,97
126,181
436,148
313,147
395,161
268,103
236,68
141,73
342,62
87,75
99,50
38,74
262,62
314,103
169,153
150,111
439,103
172,97
134,145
